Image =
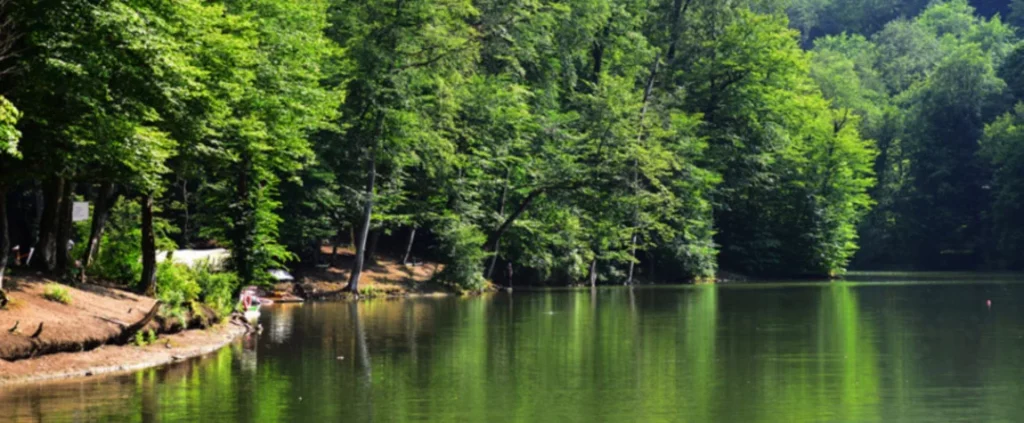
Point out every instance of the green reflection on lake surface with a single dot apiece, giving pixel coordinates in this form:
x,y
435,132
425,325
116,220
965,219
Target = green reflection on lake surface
x,y
739,353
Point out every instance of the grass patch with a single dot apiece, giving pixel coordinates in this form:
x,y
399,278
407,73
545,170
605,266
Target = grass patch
x,y
58,293
143,338
370,292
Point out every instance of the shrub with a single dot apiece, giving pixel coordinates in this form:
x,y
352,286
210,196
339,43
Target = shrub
x,y
58,293
119,258
369,292
176,285
143,338
464,258
216,289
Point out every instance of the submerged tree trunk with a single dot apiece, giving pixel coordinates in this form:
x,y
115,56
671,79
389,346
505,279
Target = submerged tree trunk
x,y
105,201
45,253
357,264
408,245
64,226
5,239
148,282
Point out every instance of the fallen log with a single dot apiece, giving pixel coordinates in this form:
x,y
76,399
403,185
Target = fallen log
x,y
129,332
38,331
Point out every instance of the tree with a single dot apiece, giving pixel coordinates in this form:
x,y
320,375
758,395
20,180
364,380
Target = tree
x,y
269,79
1003,147
402,59
9,136
946,198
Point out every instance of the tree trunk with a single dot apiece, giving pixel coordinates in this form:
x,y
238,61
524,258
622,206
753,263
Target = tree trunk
x,y
593,273
105,201
148,282
357,264
408,245
632,263
64,227
501,213
186,226
5,239
495,238
37,213
44,257
371,249
334,248
678,9
242,234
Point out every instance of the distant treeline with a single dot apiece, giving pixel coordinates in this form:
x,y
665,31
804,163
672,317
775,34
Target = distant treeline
x,y
578,141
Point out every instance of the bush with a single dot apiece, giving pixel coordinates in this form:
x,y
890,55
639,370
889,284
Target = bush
x,y
216,289
58,293
176,285
119,258
464,258
143,338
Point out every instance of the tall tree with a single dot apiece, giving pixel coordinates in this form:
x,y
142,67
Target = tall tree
x,y
403,57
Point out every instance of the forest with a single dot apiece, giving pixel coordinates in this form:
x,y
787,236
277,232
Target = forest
x,y
560,141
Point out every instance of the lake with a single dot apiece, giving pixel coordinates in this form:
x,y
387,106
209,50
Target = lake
x,y
893,347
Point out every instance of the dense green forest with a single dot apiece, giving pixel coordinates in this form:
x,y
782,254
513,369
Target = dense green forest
x,y
574,141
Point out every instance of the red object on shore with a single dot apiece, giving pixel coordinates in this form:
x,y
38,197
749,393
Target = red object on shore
x,y
988,303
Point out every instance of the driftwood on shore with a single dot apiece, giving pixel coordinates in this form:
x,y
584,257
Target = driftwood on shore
x,y
129,332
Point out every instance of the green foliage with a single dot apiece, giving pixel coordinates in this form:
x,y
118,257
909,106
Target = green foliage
x,y
144,338
176,286
119,258
9,133
57,293
1016,16
1003,147
268,76
657,140
217,289
461,247
940,89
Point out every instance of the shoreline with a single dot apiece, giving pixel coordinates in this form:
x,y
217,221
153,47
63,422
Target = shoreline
x,y
168,349
84,332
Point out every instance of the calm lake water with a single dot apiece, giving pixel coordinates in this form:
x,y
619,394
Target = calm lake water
x,y
924,348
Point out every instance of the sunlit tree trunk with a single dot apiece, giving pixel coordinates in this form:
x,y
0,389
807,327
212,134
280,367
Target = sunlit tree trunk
x,y
408,245
364,232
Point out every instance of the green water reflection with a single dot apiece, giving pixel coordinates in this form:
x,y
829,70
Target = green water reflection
x,y
753,353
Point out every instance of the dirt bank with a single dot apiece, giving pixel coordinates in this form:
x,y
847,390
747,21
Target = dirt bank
x,y
383,276
45,339
32,325
111,359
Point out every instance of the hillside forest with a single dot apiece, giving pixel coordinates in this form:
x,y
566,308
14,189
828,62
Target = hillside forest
x,y
556,142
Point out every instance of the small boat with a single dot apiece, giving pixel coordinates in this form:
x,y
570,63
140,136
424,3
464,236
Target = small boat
x,y
251,303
